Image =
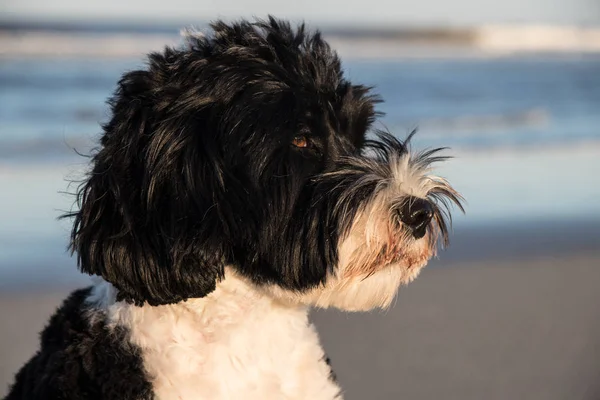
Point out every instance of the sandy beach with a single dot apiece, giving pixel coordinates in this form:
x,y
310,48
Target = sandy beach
x,y
511,311
508,327
518,330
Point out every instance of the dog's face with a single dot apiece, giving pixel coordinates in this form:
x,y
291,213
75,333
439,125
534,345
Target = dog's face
x,y
248,149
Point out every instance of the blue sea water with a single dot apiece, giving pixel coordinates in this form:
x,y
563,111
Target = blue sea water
x,y
525,132
47,104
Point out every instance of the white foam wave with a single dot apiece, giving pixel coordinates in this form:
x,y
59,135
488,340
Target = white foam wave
x,y
473,42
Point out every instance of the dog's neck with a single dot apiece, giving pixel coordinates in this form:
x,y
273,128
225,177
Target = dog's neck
x,y
238,333
234,303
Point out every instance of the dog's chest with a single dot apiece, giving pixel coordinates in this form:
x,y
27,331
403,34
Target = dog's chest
x,y
266,354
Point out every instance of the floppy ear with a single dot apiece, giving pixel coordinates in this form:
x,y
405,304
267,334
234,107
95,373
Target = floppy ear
x,y
149,219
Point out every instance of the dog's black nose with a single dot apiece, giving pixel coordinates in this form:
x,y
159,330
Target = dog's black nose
x,y
416,213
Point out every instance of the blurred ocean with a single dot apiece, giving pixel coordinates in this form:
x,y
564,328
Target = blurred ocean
x,y
48,105
524,130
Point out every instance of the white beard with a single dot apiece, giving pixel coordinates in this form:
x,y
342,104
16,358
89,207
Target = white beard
x,y
378,255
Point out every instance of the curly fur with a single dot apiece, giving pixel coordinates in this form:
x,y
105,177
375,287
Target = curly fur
x,y
80,359
234,187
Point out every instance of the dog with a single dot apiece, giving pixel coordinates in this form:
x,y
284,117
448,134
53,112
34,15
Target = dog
x,y
237,184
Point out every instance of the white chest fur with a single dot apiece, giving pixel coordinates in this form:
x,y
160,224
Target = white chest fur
x,y
233,344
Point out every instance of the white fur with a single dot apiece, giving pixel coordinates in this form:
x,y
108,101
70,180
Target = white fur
x,y
250,342
235,343
358,283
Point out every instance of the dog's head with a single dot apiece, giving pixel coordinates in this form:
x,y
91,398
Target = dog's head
x,y
247,148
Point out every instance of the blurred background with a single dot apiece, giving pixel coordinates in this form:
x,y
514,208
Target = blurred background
x,y
510,311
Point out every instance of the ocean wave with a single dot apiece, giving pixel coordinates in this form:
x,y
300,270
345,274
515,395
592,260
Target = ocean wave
x,y
492,40
45,147
467,124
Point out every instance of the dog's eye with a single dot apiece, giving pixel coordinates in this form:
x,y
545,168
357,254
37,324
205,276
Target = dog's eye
x,y
300,141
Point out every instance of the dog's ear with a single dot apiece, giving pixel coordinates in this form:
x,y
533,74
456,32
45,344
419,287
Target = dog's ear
x,y
149,219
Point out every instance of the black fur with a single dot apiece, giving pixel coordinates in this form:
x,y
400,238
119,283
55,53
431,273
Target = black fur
x,y
196,169
244,148
82,360
332,374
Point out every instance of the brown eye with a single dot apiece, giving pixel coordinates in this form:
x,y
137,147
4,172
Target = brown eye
x,y
300,141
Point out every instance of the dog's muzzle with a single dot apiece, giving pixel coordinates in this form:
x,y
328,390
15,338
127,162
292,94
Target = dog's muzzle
x,y
416,214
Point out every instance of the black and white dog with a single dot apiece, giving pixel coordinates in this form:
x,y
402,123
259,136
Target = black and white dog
x,y
233,189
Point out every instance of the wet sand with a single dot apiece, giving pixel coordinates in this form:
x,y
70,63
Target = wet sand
x,y
497,330
513,328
